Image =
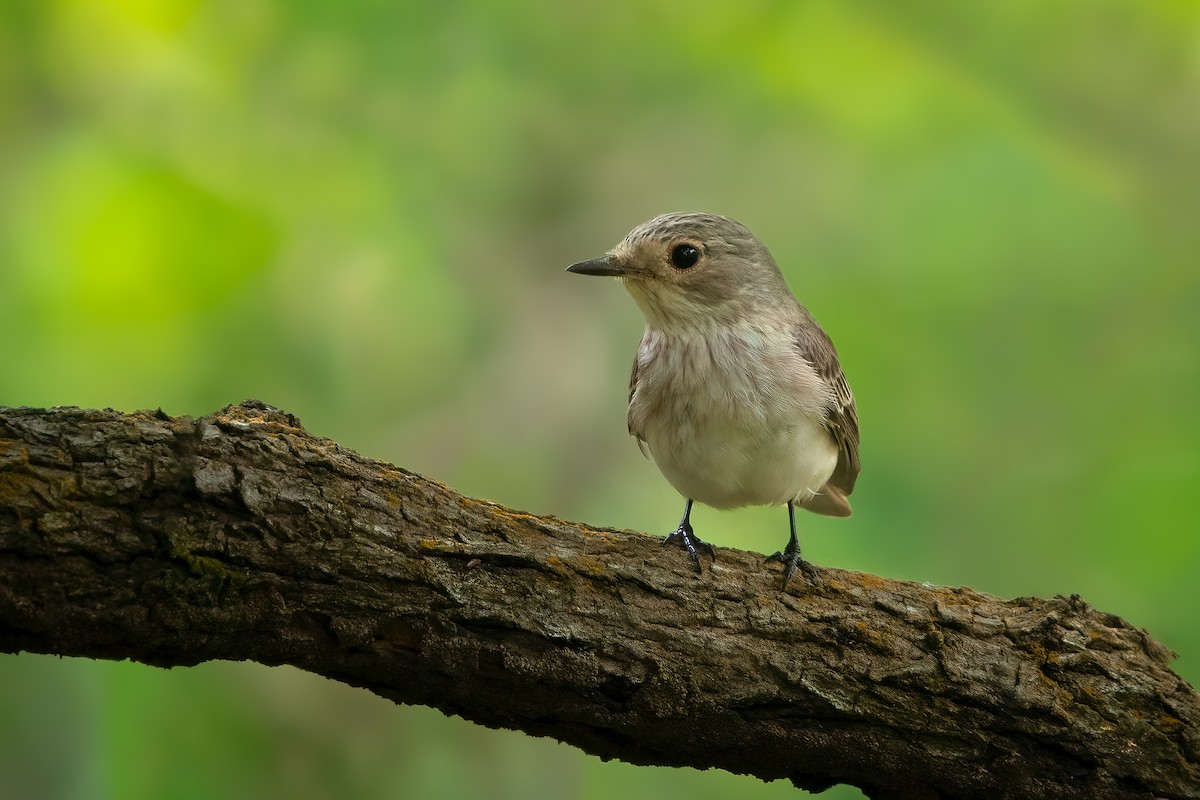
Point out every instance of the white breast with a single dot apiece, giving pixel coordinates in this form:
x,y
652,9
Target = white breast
x,y
732,420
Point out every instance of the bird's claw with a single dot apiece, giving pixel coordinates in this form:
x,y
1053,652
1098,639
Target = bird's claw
x,y
685,537
791,560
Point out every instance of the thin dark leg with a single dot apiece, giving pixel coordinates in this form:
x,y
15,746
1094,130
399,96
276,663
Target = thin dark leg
x,y
790,557
686,537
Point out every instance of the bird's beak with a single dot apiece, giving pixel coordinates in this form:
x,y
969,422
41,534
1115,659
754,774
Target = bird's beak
x,y
604,265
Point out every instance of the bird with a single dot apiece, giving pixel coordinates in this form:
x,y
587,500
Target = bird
x,y
737,393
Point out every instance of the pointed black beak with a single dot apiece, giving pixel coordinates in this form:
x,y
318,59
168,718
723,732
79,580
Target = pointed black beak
x,y
597,266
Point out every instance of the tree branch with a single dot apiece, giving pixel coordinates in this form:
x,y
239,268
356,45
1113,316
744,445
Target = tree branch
x,y
238,535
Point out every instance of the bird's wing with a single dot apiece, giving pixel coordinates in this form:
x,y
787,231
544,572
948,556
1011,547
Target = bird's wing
x,y
634,429
841,416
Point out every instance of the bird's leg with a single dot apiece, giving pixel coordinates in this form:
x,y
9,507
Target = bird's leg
x,y
790,557
685,536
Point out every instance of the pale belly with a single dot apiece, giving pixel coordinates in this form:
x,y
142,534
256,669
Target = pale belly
x,y
729,465
735,419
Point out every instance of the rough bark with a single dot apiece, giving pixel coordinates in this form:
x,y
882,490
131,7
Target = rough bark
x,y
238,535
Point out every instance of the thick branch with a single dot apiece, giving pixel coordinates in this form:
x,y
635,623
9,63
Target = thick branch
x,y
239,536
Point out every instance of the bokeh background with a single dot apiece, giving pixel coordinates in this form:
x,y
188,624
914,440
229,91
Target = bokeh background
x,y
360,212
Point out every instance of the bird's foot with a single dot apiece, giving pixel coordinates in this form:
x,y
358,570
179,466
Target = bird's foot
x,y
685,537
791,560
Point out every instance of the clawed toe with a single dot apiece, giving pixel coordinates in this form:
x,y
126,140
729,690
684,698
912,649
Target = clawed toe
x,y
687,539
791,560
790,557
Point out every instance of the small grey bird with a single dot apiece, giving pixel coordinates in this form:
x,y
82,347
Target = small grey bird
x,y
736,393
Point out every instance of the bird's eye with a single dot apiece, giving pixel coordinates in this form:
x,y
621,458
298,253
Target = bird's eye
x,y
684,256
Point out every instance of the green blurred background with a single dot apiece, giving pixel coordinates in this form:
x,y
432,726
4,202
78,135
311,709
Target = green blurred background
x,y
360,212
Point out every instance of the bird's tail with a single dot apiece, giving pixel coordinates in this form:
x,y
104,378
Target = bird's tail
x,y
830,501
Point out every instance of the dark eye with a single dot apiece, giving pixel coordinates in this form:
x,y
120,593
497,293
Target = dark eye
x,y
684,256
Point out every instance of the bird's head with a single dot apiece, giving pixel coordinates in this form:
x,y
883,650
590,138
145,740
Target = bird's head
x,y
690,271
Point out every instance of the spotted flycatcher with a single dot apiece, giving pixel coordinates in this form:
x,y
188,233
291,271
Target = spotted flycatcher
x,y
736,393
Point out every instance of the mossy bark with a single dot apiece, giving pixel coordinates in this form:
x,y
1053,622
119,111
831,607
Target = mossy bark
x,y
239,536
